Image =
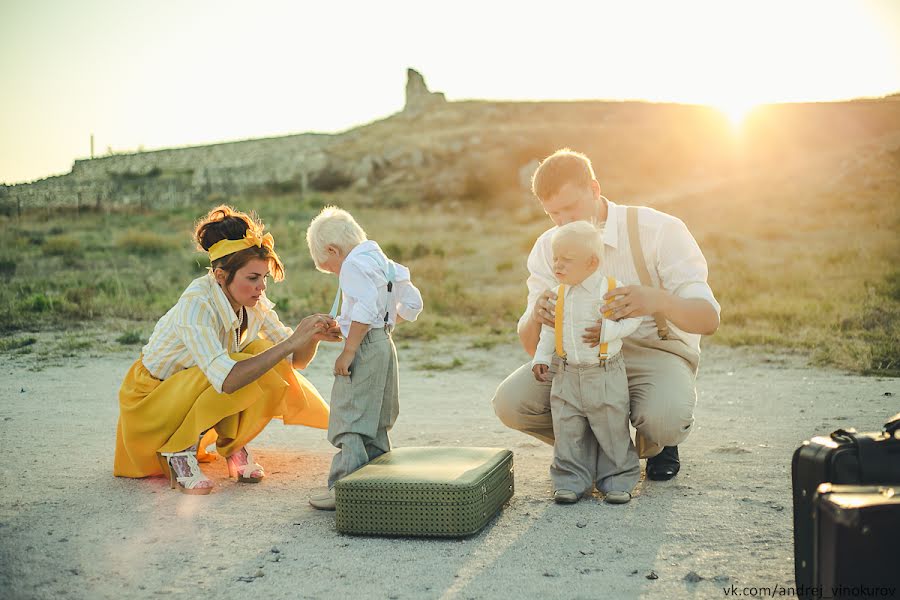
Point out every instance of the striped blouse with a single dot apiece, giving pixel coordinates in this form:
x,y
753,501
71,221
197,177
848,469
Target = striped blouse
x,y
199,331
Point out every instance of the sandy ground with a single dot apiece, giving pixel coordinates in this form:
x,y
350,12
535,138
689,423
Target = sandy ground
x,y
68,529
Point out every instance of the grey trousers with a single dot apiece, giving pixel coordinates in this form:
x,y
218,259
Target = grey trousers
x,y
661,375
364,405
589,407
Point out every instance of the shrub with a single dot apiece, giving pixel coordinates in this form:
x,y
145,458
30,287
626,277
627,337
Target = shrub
x,y
38,303
145,243
62,245
131,337
16,343
7,267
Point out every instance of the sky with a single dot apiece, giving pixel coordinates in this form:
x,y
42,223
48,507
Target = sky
x,y
141,74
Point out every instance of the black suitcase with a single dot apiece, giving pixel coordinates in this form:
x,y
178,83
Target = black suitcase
x,y
846,457
856,538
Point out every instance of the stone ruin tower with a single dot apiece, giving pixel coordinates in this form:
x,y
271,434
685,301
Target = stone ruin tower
x,y
418,98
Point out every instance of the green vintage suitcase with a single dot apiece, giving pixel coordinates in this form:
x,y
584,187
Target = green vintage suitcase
x,y
440,492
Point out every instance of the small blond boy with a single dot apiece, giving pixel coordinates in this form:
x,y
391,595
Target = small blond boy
x,y
589,391
376,294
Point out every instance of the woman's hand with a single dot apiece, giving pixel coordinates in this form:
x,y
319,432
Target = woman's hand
x,y
342,364
545,308
331,334
309,328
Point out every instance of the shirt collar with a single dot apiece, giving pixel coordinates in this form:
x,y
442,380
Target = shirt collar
x,y
221,303
611,229
592,282
362,248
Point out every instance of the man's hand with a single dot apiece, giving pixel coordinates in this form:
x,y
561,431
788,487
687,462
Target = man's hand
x,y
545,308
342,364
541,372
634,301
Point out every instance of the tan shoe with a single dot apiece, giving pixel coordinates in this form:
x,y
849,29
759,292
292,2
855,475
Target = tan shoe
x,y
323,501
565,497
617,498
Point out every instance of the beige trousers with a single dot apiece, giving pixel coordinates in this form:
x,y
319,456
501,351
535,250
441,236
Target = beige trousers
x,y
364,405
661,386
590,421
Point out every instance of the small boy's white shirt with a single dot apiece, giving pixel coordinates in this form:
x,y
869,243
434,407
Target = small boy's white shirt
x,y
364,290
581,309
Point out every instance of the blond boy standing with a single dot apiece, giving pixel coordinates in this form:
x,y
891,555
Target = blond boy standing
x,y
375,293
589,392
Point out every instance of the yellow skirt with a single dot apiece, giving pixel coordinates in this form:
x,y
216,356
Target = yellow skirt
x,y
168,416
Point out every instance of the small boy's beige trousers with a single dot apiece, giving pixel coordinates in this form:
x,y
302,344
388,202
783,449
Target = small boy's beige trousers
x,y
364,405
589,406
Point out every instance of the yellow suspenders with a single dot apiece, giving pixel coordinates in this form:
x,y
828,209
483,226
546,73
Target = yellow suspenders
x,y
558,320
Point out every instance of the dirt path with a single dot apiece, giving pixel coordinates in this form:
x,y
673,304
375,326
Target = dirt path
x,y
68,529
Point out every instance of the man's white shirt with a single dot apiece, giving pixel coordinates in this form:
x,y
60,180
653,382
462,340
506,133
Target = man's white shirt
x,y
581,309
673,258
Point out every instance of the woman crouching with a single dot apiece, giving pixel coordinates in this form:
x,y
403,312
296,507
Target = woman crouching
x,y
215,367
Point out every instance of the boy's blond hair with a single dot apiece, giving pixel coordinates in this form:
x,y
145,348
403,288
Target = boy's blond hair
x,y
562,167
336,227
582,233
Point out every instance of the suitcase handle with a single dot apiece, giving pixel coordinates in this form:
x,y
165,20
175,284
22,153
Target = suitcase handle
x,y
848,436
892,425
874,467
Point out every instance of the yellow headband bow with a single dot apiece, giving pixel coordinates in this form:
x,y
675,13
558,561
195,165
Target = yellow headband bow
x,y
250,239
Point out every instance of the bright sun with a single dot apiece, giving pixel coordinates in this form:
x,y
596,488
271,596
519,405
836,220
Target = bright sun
x,y
736,110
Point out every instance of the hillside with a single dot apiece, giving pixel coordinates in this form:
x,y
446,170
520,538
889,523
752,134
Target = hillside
x,y
435,150
797,212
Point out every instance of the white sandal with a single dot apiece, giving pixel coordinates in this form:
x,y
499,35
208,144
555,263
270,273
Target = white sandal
x,y
246,472
185,473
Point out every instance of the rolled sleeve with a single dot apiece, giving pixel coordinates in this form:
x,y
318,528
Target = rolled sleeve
x,y
540,275
682,267
701,291
409,303
199,332
616,330
543,354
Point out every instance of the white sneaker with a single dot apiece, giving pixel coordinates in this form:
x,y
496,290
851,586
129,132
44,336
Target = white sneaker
x,y
323,501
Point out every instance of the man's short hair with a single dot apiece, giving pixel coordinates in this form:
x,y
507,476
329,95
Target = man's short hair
x,y
336,227
562,167
582,233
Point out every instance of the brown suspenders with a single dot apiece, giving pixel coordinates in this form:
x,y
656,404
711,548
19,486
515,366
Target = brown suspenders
x,y
637,255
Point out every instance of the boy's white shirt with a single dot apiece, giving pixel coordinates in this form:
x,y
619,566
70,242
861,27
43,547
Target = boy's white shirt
x,y
581,309
364,290
673,258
